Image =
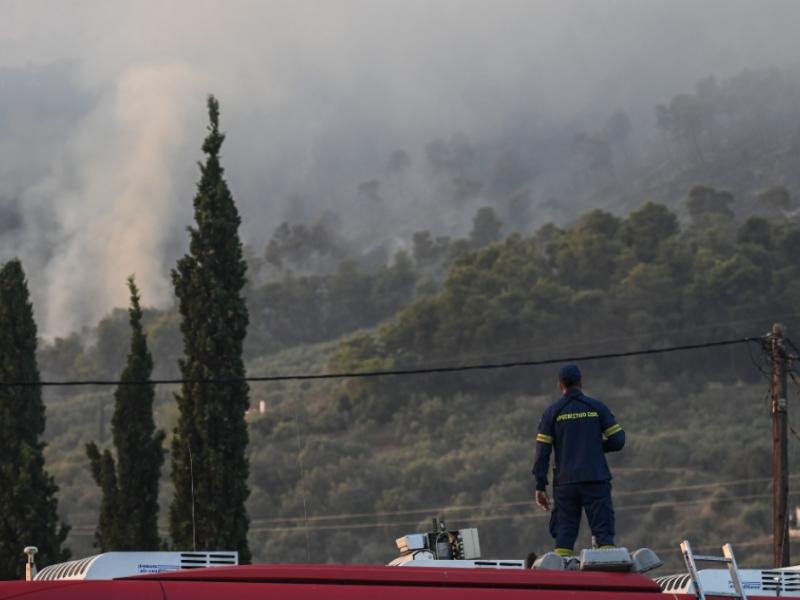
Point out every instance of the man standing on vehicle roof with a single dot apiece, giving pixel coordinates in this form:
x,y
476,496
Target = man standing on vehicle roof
x,y
582,430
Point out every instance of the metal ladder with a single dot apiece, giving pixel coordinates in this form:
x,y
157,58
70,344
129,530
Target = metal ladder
x,y
727,558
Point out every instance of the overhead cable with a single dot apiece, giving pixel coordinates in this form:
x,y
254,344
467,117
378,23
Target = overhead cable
x,y
295,523
489,506
481,519
389,372
538,514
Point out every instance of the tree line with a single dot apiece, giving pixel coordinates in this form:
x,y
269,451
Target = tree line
x,y
604,277
209,465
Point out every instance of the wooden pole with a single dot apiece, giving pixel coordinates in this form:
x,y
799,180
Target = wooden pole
x,y
780,456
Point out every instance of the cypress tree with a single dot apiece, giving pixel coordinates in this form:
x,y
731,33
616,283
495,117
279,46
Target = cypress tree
x,y
28,503
108,535
209,465
128,517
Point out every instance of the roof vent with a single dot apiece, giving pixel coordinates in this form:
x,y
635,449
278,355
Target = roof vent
x,y
717,582
780,581
111,565
199,560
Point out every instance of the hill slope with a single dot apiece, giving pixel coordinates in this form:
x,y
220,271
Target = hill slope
x,y
341,468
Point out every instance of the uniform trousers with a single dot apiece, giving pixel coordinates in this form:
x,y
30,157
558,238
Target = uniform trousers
x,y
570,500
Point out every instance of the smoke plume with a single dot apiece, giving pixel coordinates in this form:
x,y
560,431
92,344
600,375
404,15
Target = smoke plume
x,y
383,112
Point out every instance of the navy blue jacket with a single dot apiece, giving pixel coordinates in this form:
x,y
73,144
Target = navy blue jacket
x,y
582,430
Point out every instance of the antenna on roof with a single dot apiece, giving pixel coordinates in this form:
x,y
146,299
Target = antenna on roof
x,y
191,478
302,483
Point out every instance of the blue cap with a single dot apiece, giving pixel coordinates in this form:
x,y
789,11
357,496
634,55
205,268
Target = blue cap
x,y
569,375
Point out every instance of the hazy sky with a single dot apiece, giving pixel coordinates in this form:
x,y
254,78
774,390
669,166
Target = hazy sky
x,y
102,106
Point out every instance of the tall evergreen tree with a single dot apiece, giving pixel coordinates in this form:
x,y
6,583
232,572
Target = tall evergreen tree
x,y
129,506
108,535
209,465
28,504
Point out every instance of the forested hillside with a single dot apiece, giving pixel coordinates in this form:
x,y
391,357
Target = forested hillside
x,y
393,452
695,239
605,284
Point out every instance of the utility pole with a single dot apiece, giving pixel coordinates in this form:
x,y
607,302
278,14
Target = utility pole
x,y
780,455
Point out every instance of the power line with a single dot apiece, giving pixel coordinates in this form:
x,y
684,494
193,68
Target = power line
x,y
538,515
391,372
761,369
466,507
81,529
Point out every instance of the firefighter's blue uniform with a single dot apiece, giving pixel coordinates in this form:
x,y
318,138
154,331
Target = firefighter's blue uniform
x,y
581,430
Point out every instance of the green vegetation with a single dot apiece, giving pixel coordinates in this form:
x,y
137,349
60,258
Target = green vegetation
x,y
28,504
128,517
607,281
314,308
209,465
439,454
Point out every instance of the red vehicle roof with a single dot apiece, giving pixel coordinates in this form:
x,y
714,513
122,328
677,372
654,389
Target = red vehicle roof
x,y
335,582
415,577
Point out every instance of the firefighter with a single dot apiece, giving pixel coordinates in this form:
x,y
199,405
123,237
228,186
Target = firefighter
x,y
581,430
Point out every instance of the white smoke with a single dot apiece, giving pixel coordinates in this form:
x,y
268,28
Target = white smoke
x,y
113,195
315,97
